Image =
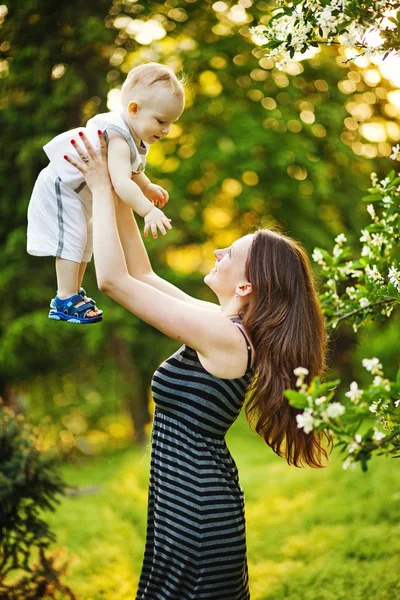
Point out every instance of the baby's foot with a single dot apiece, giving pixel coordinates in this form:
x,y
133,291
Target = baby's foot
x,y
82,292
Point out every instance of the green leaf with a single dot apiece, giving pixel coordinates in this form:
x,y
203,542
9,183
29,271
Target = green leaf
x,y
375,227
296,399
274,44
326,387
372,198
398,377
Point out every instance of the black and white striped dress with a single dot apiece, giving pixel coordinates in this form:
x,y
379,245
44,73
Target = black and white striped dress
x,y
196,537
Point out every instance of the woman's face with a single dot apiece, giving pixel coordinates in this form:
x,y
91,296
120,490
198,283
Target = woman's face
x,y
229,270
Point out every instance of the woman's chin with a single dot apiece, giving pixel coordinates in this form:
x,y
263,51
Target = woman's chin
x,y
208,279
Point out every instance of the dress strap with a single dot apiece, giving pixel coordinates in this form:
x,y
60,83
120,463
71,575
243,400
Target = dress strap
x,y
236,321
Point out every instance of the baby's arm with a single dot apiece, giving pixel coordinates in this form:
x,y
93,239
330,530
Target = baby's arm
x,y
119,166
152,191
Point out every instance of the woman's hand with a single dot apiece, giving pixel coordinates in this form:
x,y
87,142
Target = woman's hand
x,y
92,165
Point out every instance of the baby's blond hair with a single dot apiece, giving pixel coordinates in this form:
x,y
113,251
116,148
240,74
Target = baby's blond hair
x,y
148,75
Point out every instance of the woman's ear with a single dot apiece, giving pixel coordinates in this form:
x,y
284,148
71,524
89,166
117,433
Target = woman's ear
x,y
133,109
244,290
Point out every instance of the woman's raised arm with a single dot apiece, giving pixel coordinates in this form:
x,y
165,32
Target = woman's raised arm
x,y
137,259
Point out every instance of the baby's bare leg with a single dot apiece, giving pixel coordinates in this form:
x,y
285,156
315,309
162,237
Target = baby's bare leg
x,y
68,282
82,269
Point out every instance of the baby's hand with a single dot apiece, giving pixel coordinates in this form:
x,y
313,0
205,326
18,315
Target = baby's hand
x,y
156,218
156,194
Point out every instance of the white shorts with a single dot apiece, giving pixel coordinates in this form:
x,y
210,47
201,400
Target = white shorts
x,y
59,221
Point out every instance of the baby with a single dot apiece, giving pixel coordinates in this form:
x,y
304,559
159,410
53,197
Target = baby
x,y
60,209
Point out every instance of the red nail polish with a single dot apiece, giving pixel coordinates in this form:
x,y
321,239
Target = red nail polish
x,y
81,133
65,156
73,142
99,132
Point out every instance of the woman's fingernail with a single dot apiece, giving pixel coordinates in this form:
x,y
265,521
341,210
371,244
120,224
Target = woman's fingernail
x,y
73,142
65,156
81,133
99,132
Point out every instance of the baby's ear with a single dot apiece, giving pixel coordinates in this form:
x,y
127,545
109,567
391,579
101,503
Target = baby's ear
x,y
133,108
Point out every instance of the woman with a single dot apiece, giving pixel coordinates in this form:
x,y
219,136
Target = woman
x,y
267,323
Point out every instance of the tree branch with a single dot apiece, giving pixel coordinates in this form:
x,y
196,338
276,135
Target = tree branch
x,y
358,310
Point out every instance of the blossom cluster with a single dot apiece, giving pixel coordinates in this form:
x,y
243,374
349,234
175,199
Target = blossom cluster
x,y
364,285
296,26
358,286
363,422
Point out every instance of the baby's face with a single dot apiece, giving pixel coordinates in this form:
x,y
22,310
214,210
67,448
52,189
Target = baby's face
x,y
151,115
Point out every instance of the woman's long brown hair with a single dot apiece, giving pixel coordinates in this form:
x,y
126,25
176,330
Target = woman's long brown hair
x,y
285,323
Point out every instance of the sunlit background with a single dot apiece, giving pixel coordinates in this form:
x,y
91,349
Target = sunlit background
x,y
255,146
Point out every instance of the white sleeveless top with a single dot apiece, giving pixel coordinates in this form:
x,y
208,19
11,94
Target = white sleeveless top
x,y
61,144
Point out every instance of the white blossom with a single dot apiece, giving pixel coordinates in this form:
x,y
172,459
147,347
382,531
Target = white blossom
x,y
367,252
373,365
374,408
371,211
318,257
374,274
305,420
349,464
378,435
366,236
337,251
327,21
364,302
355,273
356,444
355,393
320,400
395,152
396,403
394,277
341,239
351,292
334,410
331,283
380,381
374,179
301,371
377,239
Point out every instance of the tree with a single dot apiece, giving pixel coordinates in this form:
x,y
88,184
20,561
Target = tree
x,y
29,483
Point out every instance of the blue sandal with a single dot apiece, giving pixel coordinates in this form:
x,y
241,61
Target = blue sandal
x,y
65,310
82,292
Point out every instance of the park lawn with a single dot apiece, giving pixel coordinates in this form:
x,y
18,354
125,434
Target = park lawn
x,y
325,534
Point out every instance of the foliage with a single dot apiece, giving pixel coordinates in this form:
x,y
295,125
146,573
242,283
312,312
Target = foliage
x,y
375,273
300,25
29,484
374,295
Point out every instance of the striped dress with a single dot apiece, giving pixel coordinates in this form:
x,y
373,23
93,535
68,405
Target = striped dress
x,y
196,538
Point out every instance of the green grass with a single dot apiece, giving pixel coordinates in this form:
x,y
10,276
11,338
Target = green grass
x,y
323,534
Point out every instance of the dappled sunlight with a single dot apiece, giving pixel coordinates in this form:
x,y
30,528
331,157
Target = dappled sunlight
x,y
316,542
275,508
266,575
